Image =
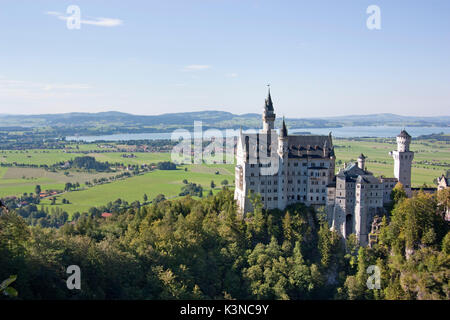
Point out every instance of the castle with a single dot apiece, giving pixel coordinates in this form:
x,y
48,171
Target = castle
x,y
285,169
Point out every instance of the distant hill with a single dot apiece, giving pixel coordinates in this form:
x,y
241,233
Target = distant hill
x,y
119,122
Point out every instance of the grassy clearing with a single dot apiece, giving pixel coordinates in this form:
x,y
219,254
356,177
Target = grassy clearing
x,y
36,157
141,157
16,180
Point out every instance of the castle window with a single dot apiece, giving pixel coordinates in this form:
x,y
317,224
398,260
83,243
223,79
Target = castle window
x,y
275,198
262,198
252,165
275,190
252,174
323,198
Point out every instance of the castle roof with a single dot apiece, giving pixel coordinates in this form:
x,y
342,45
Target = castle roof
x,y
269,104
284,132
299,146
404,134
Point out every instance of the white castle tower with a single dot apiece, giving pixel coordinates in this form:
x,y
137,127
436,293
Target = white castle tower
x,y
283,154
402,160
268,115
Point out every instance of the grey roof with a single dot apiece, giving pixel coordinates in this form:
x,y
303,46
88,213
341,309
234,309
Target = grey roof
x,y
298,146
404,134
269,105
284,132
310,140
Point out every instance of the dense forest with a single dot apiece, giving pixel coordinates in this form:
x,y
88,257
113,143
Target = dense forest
x,y
202,249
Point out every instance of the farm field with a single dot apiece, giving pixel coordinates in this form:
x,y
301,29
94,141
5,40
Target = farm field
x,y
50,157
141,157
35,156
167,182
17,180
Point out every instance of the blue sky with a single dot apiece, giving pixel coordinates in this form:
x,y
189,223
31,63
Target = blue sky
x,y
153,57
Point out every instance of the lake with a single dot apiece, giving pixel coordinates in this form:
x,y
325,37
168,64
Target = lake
x,y
343,132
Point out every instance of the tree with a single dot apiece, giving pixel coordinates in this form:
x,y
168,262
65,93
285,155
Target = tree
x,y
213,185
398,193
224,182
37,190
68,186
159,198
145,197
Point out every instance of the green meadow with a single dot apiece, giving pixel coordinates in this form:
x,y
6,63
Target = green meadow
x,y
152,183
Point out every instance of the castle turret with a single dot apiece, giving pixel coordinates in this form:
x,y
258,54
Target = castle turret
x,y
283,140
283,166
362,162
268,114
402,160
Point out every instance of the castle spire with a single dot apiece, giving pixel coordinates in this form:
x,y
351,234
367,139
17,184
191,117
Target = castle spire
x,y
268,114
269,103
284,132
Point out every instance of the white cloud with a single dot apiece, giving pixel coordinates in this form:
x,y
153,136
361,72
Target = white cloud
x,y
34,90
232,75
196,67
75,86
100,21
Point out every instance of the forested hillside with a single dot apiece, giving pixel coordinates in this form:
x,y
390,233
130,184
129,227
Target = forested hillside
x,y
201,249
